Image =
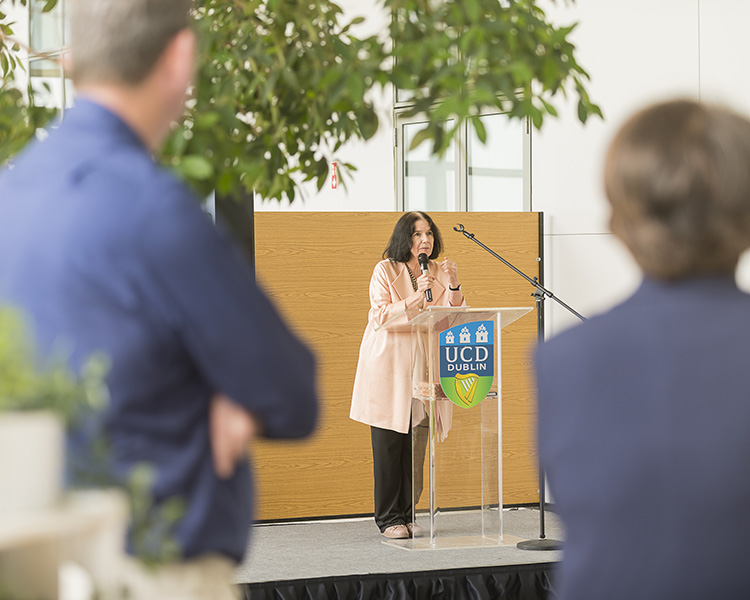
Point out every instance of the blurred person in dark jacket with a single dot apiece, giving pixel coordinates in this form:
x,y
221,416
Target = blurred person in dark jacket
x,y
644,411
108,252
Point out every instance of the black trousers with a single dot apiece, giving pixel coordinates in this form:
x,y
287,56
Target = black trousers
x,y
392,471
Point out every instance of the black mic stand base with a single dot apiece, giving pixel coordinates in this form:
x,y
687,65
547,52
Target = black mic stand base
x,y
540,544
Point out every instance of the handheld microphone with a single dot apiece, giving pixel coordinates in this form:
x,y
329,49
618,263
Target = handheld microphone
x,y
422,260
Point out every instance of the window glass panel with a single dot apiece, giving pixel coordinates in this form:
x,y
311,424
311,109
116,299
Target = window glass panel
x,y
44,68
495,169
403,95
46,34
429,182
494,194
44,27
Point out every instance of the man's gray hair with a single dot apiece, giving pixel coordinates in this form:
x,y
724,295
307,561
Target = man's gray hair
x,y
120,41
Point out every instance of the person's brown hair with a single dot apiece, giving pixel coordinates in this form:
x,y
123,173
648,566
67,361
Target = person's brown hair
x,y
677,176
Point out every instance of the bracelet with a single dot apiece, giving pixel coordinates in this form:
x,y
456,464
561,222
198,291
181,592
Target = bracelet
x,y
456,289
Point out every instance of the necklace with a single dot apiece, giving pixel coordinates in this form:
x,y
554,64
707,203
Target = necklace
x,y
413,279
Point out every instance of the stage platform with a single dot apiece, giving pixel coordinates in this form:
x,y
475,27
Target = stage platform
x,y
347,559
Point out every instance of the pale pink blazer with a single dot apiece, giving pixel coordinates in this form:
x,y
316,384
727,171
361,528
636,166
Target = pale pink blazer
x,y
382,385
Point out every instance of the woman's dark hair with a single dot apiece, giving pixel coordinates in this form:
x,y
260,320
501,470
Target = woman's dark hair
x,y
399,246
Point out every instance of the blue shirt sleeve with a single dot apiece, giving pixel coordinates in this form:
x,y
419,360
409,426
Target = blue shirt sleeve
x,y
238,341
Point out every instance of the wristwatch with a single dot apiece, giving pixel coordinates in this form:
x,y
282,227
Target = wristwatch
x,y
456,289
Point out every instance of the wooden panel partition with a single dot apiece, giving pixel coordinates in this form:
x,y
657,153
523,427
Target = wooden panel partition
x,y
317,268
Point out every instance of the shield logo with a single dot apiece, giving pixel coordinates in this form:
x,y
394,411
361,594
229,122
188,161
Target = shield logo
x,y
467,362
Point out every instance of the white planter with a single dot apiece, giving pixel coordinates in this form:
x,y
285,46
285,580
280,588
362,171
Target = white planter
x,y
31,460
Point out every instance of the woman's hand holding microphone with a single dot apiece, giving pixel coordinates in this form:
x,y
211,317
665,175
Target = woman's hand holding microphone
x,y
425,282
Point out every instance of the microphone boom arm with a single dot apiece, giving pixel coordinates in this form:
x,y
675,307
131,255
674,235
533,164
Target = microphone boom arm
x,y
540,293
540,289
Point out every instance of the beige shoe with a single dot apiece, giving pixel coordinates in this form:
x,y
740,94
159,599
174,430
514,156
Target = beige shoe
x,y
415,530
396,532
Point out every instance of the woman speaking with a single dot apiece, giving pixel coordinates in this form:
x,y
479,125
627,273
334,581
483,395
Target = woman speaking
x,y
382,386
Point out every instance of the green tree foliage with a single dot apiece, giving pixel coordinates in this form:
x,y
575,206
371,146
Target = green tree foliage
x,y
20,116
282,84
462,56
27,385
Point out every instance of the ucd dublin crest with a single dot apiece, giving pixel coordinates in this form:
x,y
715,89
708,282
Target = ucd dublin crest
x,y
467,362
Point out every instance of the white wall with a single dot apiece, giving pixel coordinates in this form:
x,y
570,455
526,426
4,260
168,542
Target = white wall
x,y
724,53
637,52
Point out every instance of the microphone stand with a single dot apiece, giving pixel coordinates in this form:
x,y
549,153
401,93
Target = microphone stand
x,y
540,295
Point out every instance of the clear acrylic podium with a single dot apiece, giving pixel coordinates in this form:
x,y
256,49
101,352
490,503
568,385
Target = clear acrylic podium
x,y
456,425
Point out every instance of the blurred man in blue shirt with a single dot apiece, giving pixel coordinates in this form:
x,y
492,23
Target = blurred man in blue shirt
x,y
644,419
108,252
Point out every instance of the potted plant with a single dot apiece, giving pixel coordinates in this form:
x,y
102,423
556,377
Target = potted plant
x,y
37,401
